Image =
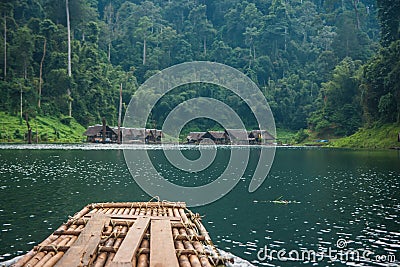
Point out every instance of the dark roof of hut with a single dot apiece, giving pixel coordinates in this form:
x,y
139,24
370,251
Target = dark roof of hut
x,y
217,134
132,132
195,136
264,134
238,134
94,130
154,132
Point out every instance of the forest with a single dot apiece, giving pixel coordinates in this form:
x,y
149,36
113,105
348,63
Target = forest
x,y
325,65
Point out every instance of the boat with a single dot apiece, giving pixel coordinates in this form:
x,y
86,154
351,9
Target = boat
x,y
140,234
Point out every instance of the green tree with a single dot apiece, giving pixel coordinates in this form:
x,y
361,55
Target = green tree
x,y
339,110
389,18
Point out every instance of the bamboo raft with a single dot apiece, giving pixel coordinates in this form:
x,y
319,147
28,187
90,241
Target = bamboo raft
x,y
138,234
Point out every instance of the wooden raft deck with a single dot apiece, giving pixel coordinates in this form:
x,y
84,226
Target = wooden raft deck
x,y
138,234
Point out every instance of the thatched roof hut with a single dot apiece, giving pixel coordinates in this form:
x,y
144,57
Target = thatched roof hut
x,y
261,135
219,137
153,136
195,137
239,136
132,135
94,134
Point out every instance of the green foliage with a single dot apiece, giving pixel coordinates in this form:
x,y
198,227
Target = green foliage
x,y
379,136
48,129
339,112
381,86
66,120
300,136
389,18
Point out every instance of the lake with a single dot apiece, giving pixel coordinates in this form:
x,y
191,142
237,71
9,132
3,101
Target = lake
x,y
342,205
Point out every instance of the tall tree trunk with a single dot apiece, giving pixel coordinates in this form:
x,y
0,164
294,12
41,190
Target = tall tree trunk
x,y
5,46
69,58
104,130
69,103
29,137
69,39
205,45
144,51
25,70
109,16
20,99
355,3
285,38
41,72
109,52
37,133
119,114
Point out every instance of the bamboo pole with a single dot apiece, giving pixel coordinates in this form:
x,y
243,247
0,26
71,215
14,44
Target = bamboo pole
x,y
170,212
125,222
138,204
183,259
176,213
110,211
194,260
102,257
81,213
32,252
165,212
198,246
117,243
154,212
137,211
204,232
95,210
50,254
142,211
183,215
148,211
143,258
68,242
115,211
104,210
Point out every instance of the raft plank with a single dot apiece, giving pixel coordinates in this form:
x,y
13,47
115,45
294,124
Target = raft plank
x,y
82,250
126,254
137,205
134,217
162,249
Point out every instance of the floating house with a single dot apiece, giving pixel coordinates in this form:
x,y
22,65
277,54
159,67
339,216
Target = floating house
x,y
218,137
195,137
133,135
94,134
239,137
232,136
153,136
261,136
155,234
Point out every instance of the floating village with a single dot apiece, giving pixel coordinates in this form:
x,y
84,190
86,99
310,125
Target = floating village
x,y
106,134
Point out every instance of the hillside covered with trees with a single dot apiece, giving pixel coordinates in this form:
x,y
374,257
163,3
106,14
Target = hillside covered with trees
x,y
331,66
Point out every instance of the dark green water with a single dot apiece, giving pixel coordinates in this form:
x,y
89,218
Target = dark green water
x,y
339,194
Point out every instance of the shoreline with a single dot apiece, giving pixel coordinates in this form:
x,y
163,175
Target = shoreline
x,y
92,146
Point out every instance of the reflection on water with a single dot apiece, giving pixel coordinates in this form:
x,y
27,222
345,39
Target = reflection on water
x,y
348,194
